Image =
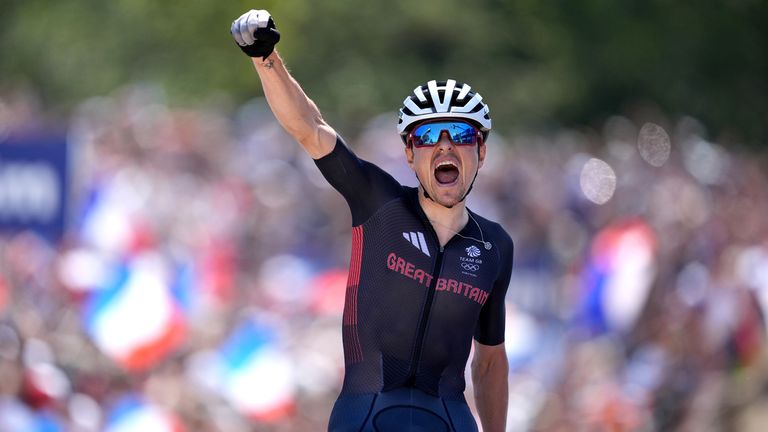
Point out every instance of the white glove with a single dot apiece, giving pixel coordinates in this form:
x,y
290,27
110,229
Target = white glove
x,y
255,33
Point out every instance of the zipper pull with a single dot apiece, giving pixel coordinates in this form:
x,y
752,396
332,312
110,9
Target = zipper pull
x,y
442,249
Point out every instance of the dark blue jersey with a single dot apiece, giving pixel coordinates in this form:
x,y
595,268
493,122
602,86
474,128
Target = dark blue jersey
x,y
412,307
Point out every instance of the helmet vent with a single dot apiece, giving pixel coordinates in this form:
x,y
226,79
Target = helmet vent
x,y
443,99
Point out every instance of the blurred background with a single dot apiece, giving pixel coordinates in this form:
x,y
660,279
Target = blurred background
x,y
171,261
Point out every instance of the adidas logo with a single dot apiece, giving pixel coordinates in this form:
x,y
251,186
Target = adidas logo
x,y
417,239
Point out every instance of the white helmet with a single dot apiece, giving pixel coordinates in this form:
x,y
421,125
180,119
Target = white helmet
x,y
443,99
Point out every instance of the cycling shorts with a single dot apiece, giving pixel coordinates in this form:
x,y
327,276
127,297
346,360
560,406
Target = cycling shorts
x,y
400,410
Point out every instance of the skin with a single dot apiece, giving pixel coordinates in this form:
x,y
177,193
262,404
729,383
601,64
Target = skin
x,y
295,111
300,117
490,369
447,213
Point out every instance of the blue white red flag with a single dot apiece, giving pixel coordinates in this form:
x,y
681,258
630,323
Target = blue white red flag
x,y
135,319
257,377
132,414
617,279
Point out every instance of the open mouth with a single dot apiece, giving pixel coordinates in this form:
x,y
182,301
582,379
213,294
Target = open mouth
x,y
446,172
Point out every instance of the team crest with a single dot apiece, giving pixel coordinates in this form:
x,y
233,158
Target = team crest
x,y
473,251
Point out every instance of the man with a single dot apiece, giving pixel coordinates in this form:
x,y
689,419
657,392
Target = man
x,y
426,274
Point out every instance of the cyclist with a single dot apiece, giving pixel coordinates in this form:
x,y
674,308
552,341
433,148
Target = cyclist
x,y
427,275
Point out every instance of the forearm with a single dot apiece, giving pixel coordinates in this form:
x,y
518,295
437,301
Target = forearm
x,y
295,111
491,391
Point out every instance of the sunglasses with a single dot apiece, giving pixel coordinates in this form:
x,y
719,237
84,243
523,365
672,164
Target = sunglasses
x,y
428,133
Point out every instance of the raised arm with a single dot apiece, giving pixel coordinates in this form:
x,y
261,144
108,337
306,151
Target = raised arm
x,y
256,35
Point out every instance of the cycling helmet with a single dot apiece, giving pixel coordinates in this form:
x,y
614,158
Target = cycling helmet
x,y
443,99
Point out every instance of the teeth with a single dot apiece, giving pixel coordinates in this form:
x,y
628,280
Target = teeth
x,y
443,163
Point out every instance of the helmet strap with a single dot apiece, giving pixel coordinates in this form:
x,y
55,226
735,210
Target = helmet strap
x,y
473,178
470,187
424,190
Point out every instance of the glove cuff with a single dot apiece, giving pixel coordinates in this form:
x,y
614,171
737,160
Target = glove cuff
x,y
266,39
258,49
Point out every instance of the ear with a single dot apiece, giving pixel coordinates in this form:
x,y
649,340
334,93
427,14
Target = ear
x,y
480,152
409,155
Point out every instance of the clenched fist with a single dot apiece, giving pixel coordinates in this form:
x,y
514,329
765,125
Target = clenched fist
x,y
255,33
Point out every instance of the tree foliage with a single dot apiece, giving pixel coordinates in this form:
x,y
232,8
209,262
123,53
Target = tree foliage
x,y
537,63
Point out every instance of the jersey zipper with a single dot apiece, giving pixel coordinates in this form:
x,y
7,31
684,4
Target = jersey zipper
x,y
416,357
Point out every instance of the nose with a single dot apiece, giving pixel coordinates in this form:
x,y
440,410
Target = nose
x,y
445,140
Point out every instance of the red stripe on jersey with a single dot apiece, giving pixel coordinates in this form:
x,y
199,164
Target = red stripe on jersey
x,y
353,351
354,274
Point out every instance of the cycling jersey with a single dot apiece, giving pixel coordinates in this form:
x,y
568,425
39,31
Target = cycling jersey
x,y
412,307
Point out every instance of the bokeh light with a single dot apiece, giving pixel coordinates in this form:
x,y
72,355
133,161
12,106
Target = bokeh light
x,y
654,144
598,181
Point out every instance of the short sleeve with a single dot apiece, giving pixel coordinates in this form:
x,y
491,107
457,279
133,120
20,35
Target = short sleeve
x,y
490,324
364,186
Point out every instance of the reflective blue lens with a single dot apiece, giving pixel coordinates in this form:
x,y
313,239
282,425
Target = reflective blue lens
x,y
428,134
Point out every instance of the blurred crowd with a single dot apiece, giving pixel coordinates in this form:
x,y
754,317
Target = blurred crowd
x,y
199,283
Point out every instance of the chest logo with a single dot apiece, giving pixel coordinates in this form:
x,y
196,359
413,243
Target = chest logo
x,y
473,251
470,264
417,240
470,267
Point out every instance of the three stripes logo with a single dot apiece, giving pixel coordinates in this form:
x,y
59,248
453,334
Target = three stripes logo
x,y
417,239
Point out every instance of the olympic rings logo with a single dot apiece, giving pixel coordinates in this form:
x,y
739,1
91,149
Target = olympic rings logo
x,y
470,267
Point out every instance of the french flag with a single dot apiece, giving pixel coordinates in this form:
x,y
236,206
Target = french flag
x,y
256,376
136,319
617,279
132,414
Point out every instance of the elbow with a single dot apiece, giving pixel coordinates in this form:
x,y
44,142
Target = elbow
x,y
303,133
317,139
306,131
